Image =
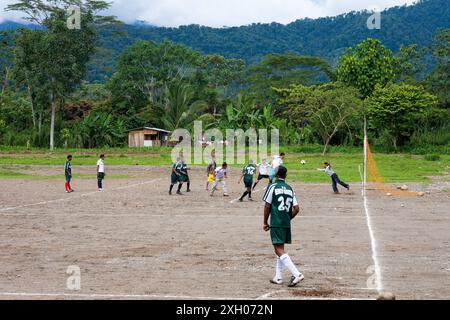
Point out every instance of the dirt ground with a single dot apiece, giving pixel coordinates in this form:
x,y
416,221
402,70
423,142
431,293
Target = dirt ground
x,y
134,241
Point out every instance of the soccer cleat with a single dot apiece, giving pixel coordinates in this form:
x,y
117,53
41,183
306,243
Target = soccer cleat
x,y
241,200
188,190
226,195
348,188
100,189
179,193
276,281
250,199
296,280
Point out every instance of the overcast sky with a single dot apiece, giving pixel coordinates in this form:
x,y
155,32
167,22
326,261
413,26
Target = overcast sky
x,y
218,13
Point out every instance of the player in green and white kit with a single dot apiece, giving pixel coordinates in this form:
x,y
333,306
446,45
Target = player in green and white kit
x,y
185,175
68,173
247,174
175,177
282,207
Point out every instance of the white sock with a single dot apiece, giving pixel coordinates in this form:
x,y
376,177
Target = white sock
x,y
279,269
286,260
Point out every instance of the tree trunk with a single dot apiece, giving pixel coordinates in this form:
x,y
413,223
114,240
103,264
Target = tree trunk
x,y
6,80
33,112
52,122
325,148
394,142
40,122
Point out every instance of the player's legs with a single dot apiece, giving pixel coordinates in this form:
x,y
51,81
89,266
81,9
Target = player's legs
x,y
67,185
248,191
188,182
173,181
179,188
224,187
342,183
213,189
279,237
210,180
334,184
99,184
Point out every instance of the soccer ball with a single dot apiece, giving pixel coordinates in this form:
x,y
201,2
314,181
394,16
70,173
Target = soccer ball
x,y
303,162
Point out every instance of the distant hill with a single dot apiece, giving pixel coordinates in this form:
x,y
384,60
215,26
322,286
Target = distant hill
x,y
325,37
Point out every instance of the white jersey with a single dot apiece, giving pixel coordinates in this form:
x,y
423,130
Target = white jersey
x,y
220,173
101,166
277,161
329,171
264,169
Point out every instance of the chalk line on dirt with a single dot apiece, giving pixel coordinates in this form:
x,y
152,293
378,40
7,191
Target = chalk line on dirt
x,y
373,242
154,296
76,196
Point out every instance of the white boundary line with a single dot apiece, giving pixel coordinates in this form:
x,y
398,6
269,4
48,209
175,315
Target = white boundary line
x,y
373,242
205,216
111,296
154,296
76,196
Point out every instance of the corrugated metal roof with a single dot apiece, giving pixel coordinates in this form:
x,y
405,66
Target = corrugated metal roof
x,y
148,128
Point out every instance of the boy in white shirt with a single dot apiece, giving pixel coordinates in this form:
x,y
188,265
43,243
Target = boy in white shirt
x,y
334,178
276,163
221,176
263,169
100,172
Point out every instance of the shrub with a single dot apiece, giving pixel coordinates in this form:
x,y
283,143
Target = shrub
x,y
432,157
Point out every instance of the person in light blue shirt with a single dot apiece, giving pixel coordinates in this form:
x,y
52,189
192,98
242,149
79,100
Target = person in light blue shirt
x,y
334,178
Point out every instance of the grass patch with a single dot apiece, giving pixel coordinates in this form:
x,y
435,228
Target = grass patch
x,y
432,157
395,168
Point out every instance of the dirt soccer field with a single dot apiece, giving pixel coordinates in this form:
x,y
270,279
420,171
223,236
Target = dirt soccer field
x,y
134,241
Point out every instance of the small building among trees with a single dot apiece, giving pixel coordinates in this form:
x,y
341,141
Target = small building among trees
x,y
148,137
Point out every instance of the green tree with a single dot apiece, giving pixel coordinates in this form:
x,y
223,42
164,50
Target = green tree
x,y
398,109
282,70
6,58
367,65
146,68
327,109
438,81
215,78
63,53
409,64
179,108
98,129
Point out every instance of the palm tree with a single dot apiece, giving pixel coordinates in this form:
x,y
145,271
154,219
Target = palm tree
x,y
179,109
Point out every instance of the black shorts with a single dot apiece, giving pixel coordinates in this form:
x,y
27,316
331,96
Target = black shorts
x,y
263,176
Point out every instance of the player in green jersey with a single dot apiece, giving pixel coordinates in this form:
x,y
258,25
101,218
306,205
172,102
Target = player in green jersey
x,y
185,175
68,173
175,176
281,206
248,172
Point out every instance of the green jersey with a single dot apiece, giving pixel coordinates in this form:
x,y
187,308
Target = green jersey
x,y
184,173
174,177
67,169
249,171
282,198
184,169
